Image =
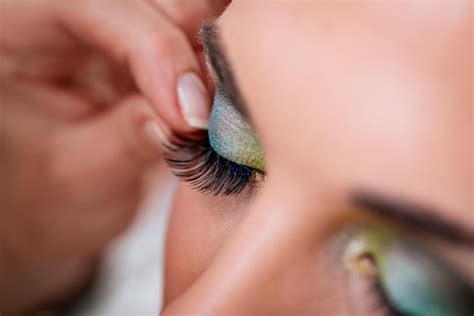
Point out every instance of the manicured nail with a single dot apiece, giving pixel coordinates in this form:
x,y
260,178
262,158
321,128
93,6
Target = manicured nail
x,y
156,135
194,100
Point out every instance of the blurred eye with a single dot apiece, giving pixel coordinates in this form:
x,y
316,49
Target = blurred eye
x,y
406,277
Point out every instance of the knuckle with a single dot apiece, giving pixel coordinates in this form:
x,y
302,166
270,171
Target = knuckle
x,y
134,148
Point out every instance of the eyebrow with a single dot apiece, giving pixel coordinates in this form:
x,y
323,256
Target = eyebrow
x,y
426,219
221,68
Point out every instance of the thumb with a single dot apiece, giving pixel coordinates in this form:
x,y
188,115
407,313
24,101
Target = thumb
x,y
102,156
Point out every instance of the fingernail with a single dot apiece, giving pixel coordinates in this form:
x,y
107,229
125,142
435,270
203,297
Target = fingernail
x,y
156,135
194,100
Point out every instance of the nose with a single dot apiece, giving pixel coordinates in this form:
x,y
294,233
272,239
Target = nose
x,y
273,265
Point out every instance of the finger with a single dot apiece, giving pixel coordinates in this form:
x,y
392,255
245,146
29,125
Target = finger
x,y
105,154
158,54
189,15
96,169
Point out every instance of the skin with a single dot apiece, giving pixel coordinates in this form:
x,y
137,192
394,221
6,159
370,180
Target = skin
x,y
342,96
79,91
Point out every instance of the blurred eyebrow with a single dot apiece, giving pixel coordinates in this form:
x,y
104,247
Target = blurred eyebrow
x,y
221,68
426,219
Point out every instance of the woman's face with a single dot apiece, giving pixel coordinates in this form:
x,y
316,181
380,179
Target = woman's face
x,y
364,112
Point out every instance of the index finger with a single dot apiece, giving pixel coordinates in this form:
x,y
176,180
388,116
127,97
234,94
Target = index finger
x,y
158,54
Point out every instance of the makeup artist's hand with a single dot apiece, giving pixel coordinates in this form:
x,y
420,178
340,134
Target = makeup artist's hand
x,y
83,87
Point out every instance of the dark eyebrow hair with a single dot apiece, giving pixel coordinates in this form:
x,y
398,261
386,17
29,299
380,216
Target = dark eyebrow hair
x,y
423,218
221,68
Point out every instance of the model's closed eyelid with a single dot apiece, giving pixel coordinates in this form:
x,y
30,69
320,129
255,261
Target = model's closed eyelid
x,y
230,134
231,158
220,67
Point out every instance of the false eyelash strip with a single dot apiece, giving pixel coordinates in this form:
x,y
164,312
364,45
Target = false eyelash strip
x,y
208,172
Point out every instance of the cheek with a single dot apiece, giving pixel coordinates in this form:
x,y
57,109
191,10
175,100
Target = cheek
x,y
198,227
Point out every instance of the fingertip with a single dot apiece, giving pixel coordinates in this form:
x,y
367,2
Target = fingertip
x,y
171,79
194,101
156,135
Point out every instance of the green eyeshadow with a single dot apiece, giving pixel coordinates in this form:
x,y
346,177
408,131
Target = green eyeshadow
x,y
231,136
416,281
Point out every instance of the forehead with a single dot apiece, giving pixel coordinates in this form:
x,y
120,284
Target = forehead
x,y
360,95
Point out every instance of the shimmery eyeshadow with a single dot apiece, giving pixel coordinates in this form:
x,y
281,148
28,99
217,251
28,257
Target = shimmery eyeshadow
x,y
416,281
231,136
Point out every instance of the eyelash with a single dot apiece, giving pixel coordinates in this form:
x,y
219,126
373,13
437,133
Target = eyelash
x,y
375,300
206,171
382,301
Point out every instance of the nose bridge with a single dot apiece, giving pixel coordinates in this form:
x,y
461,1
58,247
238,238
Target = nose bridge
x,y
269,263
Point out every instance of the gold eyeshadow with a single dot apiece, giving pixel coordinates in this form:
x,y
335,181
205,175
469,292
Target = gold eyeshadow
x,y
415,280
228,160
231,136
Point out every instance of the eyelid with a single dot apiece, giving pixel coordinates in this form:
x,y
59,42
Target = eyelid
x,y
219,66
231,136
230,133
